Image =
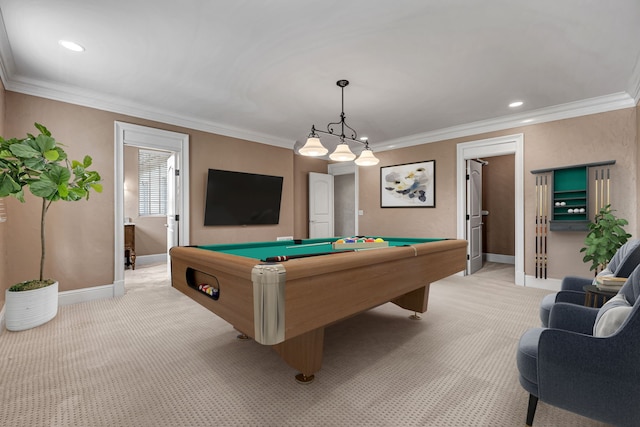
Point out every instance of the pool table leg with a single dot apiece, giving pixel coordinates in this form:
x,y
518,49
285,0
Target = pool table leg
x,y
416,300
303,353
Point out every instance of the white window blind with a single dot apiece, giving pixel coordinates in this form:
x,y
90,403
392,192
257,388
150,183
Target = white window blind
x,y
152,182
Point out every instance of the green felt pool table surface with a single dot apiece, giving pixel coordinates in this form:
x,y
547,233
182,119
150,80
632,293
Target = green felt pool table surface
x,y
264,250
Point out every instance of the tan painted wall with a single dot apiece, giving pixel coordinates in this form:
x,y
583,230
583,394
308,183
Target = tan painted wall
x,y
81,235
498,197
4,226
593,138
232,154
406,222
151,233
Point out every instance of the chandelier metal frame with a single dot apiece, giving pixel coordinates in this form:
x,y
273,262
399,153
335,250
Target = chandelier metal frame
x,y
342,152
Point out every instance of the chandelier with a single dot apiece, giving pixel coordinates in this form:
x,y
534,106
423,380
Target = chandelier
x,y
314,148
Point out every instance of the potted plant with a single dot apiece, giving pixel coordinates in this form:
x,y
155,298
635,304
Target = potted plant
x,y
40,164
606,235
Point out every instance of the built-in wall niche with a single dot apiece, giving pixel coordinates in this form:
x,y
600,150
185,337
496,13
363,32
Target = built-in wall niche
x,y
563,195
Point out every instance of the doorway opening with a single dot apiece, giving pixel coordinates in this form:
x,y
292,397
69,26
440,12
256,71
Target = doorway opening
x,y
130,138
500,146
345,198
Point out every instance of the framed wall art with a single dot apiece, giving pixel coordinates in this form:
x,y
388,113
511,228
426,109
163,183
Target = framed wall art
x,y
411,185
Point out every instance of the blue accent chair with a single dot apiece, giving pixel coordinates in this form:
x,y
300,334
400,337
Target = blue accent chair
x,y
598,377
625,260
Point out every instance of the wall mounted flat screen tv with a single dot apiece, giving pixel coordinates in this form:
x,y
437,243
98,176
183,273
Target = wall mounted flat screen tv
x,y
239,198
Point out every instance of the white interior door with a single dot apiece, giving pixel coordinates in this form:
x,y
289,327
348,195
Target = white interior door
x,y
320,205
474,215
172,212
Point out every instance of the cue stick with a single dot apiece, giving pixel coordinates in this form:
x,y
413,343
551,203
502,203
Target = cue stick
x,y
308,244
281,258
608,185
595,211
602,187
536,226
537,231
541,256
545,203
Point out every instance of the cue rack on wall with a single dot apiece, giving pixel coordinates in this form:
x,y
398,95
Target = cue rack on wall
x,y
563,202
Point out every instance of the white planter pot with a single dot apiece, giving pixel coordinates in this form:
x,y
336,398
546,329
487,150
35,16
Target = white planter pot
x,y
28,309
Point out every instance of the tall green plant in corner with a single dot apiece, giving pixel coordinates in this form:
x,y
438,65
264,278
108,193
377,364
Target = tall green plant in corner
x,y
40,164
606,235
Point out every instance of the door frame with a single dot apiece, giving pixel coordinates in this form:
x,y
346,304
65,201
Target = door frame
x,y
499,146
147,137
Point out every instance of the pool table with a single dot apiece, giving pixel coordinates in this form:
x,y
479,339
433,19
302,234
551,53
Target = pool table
x,y
288,304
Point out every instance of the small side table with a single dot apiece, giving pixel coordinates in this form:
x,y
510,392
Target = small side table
x,y
595,297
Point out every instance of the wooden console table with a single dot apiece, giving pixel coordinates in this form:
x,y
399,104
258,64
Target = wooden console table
x,y
130,245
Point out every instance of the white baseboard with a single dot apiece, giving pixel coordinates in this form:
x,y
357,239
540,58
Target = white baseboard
x,y
549,284
86,294
502,259
151,259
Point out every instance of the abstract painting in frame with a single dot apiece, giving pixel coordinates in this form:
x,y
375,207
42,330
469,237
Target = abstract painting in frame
x,y
411,185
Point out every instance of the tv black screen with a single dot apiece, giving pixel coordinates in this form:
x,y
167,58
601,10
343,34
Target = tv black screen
x,y
239,198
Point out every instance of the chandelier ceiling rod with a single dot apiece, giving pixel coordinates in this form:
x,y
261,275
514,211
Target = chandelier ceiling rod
x,y
314,147
342,122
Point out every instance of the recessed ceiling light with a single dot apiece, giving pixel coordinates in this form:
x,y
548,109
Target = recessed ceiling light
x,y
71,45
515,104
364,138
527,121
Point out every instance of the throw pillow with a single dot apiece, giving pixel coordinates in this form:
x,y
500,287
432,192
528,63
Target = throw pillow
x,y
611,316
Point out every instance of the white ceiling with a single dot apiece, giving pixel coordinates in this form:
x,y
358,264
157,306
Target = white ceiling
x,y
420,70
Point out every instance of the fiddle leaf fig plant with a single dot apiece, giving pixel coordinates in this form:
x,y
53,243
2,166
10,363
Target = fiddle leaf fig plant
x,y
40,164
606,235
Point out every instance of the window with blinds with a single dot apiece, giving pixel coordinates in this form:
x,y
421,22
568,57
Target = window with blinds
x,y
152,182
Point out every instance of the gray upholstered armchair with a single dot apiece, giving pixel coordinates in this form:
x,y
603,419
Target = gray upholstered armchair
x,y
622,264
588,360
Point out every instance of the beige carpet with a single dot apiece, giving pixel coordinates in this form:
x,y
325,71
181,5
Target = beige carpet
x,y
156,358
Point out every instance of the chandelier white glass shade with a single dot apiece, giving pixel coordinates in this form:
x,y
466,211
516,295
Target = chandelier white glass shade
x,y
367,158
313,147
342,153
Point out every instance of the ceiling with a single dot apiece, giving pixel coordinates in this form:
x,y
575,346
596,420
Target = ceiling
x,y
419,70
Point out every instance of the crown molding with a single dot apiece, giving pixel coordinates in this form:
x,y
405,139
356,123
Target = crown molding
x,y
585,107
117,105
7,64
99,101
